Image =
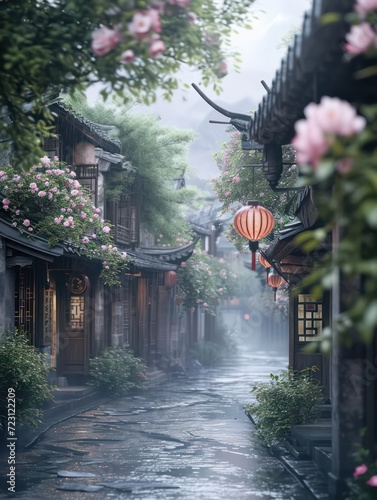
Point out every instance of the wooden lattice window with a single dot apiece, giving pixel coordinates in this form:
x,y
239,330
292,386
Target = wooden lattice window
x,y
25,302
309,318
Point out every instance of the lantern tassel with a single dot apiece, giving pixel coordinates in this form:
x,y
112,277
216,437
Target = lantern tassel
x,y
253,261
253,247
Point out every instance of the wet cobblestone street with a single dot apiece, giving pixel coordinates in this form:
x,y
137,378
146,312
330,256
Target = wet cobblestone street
x,y
187,439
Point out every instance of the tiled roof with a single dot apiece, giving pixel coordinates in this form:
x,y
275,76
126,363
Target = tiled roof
x,y
99,133
174,255
314,66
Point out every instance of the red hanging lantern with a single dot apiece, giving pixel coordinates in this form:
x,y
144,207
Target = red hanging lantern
x,y
171,278
264,261
274,280
254,223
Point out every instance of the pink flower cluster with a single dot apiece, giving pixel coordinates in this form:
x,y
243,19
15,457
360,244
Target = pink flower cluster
x,y
363,469
315,134
144,26
362,37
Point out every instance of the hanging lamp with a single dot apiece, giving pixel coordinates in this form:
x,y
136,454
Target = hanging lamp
x,y
254,223
264,262
274,280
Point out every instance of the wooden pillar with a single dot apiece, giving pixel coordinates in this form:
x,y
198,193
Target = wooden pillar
x,y
348,390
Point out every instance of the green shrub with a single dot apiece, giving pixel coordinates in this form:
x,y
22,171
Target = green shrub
x,y
207,353
289,399
23,369
117,371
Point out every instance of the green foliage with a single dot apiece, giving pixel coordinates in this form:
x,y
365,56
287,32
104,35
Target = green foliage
x,y
204,280
49,202
23,369
46,49
239,183
117,371
345,190
157,155
291,398
207,353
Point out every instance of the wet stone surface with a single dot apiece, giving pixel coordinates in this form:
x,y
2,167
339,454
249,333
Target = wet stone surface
x,y
188,439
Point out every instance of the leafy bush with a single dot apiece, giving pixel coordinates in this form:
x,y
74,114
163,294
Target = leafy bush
x,y
23,369
117,371
289,399
207,353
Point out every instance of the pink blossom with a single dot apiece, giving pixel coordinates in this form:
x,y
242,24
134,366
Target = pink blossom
x,y
85,239
183,264
106,229
372,481
104,40
360,470
30,229
156,48
74,192
310,142
344,166
16,178
94,236
335,116
205,304
127,56
141,24
6,203
33,186
236,179
360,38
42,194
46,160
56,158
26,223
180,3
227,193
95,216
222,69
365,6
246,317
107,267
83,215
57,220
155,18
192,17
103,247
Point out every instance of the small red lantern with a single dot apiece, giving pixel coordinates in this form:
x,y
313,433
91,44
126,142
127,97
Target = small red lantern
x,y
274,280
264,261
171,278
254,223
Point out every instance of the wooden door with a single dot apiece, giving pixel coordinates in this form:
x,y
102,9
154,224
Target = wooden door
x,y
74,333
308,319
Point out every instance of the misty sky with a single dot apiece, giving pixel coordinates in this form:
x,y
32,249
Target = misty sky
x,y
242,91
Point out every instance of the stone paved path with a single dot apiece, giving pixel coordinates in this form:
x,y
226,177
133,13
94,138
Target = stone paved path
x,y
188,439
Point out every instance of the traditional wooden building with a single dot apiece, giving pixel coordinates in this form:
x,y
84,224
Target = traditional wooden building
x,y
56,296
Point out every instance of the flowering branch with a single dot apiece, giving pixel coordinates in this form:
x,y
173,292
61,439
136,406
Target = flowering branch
x,y
48,201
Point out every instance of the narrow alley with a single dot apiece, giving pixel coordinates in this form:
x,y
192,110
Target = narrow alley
x,y
187,439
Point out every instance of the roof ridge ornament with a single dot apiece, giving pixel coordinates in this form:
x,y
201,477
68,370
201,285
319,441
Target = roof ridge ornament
x,y
240,121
